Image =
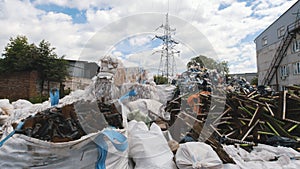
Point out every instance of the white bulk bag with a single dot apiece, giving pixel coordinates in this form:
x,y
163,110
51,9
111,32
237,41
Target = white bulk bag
x,y
22,151
197,155
149,148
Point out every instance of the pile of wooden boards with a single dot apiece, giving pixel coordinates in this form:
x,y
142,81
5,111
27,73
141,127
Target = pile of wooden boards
x,y
243,117
261,118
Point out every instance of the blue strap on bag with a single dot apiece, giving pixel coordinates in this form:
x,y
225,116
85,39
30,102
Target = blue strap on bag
x,y
130,93
20,125
112,136
120,145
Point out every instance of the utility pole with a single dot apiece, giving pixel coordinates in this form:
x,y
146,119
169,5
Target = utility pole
x,y
167,60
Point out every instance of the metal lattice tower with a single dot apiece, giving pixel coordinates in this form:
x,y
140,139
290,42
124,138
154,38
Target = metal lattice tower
x,y
167,64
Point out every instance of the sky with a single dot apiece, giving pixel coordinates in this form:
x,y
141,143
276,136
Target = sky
x,y
87,30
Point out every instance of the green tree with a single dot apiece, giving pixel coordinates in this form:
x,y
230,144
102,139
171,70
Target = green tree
x,y
19,55
196,61
209,63
158,79
49,65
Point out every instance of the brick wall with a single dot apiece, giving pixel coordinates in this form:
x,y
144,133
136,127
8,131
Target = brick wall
x,y
19,85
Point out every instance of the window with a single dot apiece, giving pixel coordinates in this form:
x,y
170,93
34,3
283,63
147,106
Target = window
x,y
296,45
284,71
280,32
297,68
264,41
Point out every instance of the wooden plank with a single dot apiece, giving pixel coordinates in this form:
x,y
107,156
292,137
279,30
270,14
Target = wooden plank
x,y
251,93
225,112
249,130
284,104
254,116
270,110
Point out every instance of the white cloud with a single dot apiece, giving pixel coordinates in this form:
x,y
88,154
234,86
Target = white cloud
x,y
140,41
201,27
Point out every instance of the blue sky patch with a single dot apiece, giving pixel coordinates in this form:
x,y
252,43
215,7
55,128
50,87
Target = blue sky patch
x,y
223,6
248,38
78,16
248,2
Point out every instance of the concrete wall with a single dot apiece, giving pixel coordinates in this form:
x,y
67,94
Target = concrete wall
x,y
265,56
20,85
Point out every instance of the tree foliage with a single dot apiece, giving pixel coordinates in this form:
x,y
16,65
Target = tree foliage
x,y
19,55
158,79
209,63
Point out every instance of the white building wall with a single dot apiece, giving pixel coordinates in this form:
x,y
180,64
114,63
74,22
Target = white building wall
x,y
265,52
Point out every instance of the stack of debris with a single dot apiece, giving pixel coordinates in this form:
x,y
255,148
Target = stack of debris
x,y
242,117
200,111
261,118
63,124
54,124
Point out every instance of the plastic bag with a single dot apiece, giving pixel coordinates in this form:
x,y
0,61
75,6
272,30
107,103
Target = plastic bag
x,y
148,148
149,108
261,154
197,155
21,104
6,107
